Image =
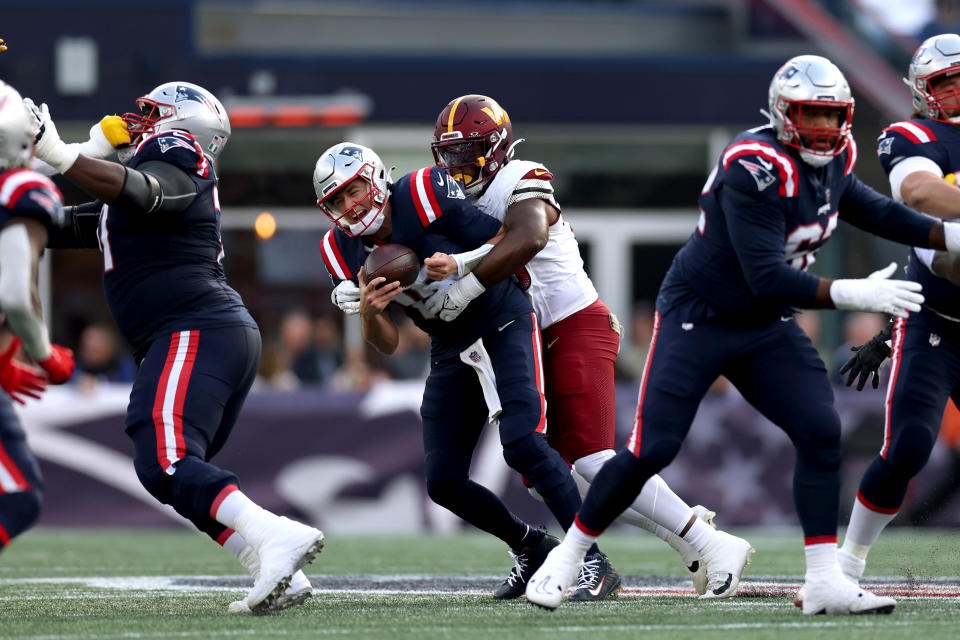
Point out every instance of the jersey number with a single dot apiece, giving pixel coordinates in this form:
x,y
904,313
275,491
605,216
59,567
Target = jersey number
x,y
803,243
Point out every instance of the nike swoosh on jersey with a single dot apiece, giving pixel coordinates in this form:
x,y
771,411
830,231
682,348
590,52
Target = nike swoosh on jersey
x,y
440,180
506,325
539,172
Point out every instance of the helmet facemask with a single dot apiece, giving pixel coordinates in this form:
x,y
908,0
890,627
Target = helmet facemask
x,y
144,124
366,213
470,162
818,145
943,103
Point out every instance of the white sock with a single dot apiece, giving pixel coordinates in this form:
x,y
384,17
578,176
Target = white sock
x,y
235,510
864,529
681,546
821,558
235,544
657,509
578,539
699,534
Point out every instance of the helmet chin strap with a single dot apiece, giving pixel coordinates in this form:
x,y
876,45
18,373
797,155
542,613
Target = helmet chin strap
x,y
815,160
510,149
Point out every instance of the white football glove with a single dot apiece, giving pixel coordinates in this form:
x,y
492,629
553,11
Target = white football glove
x,y
877,294
346,296
50,148
451,304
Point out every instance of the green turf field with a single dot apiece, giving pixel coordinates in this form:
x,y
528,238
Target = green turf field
x,y
175,584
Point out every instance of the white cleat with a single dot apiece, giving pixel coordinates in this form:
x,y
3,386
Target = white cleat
x,y
296,594
724,559
695,567
851,566
548,585
836,596
286,548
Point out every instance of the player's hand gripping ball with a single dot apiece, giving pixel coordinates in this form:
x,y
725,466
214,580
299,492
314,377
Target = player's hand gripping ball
x,y
394,262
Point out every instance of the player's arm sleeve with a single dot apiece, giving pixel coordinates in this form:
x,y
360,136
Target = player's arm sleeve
x,y
866,209
156,187
81,229
19,297
757,230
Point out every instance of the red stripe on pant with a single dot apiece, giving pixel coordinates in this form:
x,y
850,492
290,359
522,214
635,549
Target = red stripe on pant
x,y
634,442
872,507
896,356
4,537
6,462
180,382
538,373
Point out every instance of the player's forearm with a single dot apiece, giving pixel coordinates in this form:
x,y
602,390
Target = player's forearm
x,y
103,180
526,230
380,331
933,196
19,297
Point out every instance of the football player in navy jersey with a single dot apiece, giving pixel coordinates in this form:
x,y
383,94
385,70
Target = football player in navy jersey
x,y
484,364
30,205
726,308
921,157
157,222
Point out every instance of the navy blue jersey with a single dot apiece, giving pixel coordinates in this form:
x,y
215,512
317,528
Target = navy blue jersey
x,y
939,142
162,272
431,213
26,193
764,214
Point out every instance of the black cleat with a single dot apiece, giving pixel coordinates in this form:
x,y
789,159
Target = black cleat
x,y
598,580
527,560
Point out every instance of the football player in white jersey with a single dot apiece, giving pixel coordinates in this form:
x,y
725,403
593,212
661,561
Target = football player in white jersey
x,y
474,141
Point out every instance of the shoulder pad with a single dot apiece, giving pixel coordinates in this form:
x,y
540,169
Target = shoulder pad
x,y
178,148
428,188
24,192
905,140
754,166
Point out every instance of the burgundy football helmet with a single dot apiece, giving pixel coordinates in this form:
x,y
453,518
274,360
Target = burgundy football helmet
x,y
472,140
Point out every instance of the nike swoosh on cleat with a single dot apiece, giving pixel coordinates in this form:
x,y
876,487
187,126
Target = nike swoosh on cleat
x,y
539,587
596,592
726,585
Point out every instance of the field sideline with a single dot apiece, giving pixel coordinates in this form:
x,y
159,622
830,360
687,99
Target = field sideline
x,y
81,584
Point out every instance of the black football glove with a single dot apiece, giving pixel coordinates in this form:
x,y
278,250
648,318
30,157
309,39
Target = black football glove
x,y
867,359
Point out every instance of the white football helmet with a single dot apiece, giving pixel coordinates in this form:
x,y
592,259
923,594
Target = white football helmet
x,y
810,81
16,130
340,165
181,105
936,58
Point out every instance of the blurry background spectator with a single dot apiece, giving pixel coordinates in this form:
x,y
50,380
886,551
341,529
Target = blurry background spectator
x,y
100,357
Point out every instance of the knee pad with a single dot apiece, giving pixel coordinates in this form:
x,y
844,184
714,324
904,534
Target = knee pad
x,y
533,458
588,466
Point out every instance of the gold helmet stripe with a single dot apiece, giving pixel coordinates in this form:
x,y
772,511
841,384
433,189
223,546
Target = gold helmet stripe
x,y
453,112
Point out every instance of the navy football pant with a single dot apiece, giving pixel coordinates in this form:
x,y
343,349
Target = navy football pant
x,y
185,400
454,413
775,367
21,486
924,372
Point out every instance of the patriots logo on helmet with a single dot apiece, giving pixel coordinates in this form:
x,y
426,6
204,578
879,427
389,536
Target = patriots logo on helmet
x,y
761,175
185,93
353,152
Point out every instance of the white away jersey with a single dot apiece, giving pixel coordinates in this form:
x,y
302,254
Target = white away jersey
x,y
559,286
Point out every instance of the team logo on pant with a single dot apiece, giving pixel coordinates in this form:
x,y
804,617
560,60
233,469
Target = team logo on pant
x,y
934,340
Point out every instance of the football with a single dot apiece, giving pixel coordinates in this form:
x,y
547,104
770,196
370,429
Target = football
x,y
394,262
